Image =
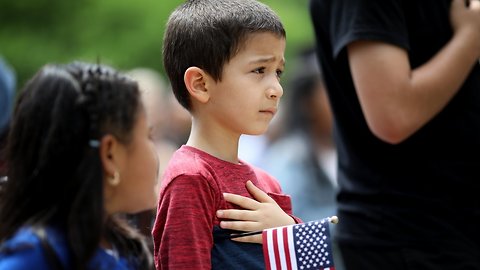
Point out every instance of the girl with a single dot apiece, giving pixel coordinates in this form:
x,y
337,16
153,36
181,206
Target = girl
x,y
78,153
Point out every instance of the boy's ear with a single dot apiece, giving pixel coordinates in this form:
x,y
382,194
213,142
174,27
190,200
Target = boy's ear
x,y
196,82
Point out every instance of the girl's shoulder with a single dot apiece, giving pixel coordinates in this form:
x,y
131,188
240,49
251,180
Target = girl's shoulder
x,y
31,248
25,249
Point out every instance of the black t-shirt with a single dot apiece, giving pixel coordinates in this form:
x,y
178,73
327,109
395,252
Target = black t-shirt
x,y
425,190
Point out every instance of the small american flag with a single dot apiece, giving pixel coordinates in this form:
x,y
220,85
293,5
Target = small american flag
x,y
300,246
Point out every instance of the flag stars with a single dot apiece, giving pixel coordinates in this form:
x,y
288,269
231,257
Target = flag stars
x,y
309,243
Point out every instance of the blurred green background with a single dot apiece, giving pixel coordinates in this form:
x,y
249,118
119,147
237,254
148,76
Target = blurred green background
x,y
122,33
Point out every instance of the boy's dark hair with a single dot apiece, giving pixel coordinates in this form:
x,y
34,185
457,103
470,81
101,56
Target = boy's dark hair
x,y
55,175
208,33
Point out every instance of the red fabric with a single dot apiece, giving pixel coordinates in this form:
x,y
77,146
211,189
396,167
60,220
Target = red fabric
x,y
191,193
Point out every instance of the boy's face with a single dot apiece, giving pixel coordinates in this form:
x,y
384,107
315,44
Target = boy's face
x,y
247,97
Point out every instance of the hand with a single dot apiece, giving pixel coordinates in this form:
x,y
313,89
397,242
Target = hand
x,y
256,215
465,18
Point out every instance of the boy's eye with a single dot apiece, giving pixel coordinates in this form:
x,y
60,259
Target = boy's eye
x,y
260,70
279,73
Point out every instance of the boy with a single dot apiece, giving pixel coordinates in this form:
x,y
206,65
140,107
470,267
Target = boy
x,y
224,59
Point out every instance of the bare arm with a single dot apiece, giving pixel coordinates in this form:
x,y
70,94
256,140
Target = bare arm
x,y
396,100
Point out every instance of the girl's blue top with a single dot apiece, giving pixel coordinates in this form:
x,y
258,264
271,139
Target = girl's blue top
x,y
24,251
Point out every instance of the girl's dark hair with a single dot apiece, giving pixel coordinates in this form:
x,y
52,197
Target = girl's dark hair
x,y
55,176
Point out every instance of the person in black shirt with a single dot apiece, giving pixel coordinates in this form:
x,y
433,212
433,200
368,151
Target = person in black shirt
x,y
404,83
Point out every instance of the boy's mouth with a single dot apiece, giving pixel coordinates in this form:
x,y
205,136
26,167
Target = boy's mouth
x,y
271,111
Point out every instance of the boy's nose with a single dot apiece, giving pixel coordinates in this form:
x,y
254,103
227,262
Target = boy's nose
x,y
275,91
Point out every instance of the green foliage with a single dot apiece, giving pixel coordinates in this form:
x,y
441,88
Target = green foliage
x,y
122,33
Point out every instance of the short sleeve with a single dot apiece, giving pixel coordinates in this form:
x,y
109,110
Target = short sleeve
x,y
378,20
183,227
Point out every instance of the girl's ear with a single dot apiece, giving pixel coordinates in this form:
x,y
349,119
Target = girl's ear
x,y
109,154
196,82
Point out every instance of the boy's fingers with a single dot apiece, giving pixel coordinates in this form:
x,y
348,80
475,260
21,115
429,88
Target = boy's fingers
x,y
236,214
249,239
245,226
257,193
244,202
